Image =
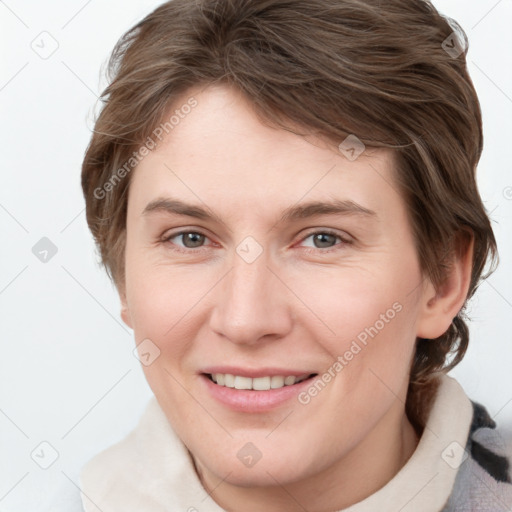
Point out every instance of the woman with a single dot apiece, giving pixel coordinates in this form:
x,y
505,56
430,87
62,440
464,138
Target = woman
x,y
236,139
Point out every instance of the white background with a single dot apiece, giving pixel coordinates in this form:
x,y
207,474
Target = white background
x,y
67,372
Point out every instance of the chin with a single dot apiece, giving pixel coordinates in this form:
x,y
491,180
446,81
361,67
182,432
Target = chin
x,y
262,477
280,468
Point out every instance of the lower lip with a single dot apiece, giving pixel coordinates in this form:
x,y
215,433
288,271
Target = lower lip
x,y
246,400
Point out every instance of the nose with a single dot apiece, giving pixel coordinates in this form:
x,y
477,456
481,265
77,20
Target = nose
x,y
252,304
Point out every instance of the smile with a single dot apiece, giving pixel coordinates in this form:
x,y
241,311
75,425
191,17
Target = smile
x,y
255,390
258,383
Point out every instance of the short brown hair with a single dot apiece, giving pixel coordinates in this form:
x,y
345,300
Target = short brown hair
x,y
387,72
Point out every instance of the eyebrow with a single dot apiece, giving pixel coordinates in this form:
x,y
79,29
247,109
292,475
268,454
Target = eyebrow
x,y
295,212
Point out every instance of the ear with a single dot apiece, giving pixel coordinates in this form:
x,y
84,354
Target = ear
x,y
125,310
441,304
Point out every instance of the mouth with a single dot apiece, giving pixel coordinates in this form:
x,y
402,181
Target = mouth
x,y
255,390
264,383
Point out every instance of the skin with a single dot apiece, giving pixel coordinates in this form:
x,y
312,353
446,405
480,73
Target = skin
x,y
289,308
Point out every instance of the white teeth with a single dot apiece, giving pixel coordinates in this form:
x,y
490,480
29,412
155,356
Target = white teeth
x,y
276,382
243,382
229,380
261,383
258,383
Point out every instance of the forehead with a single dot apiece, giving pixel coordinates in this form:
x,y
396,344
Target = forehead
x,y
220,149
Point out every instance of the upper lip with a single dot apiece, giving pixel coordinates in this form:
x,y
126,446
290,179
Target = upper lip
x,y
256,372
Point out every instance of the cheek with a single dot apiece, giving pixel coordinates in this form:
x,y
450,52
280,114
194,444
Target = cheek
x,y
154,303
365,323
164,306
353,303
158,295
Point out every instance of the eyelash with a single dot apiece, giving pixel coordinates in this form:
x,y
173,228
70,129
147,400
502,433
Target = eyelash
x,y
308,250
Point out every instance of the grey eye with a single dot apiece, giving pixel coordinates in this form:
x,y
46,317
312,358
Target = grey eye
x,y
322,240
325,238
191,239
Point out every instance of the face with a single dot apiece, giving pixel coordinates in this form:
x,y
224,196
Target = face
x,y
261,259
